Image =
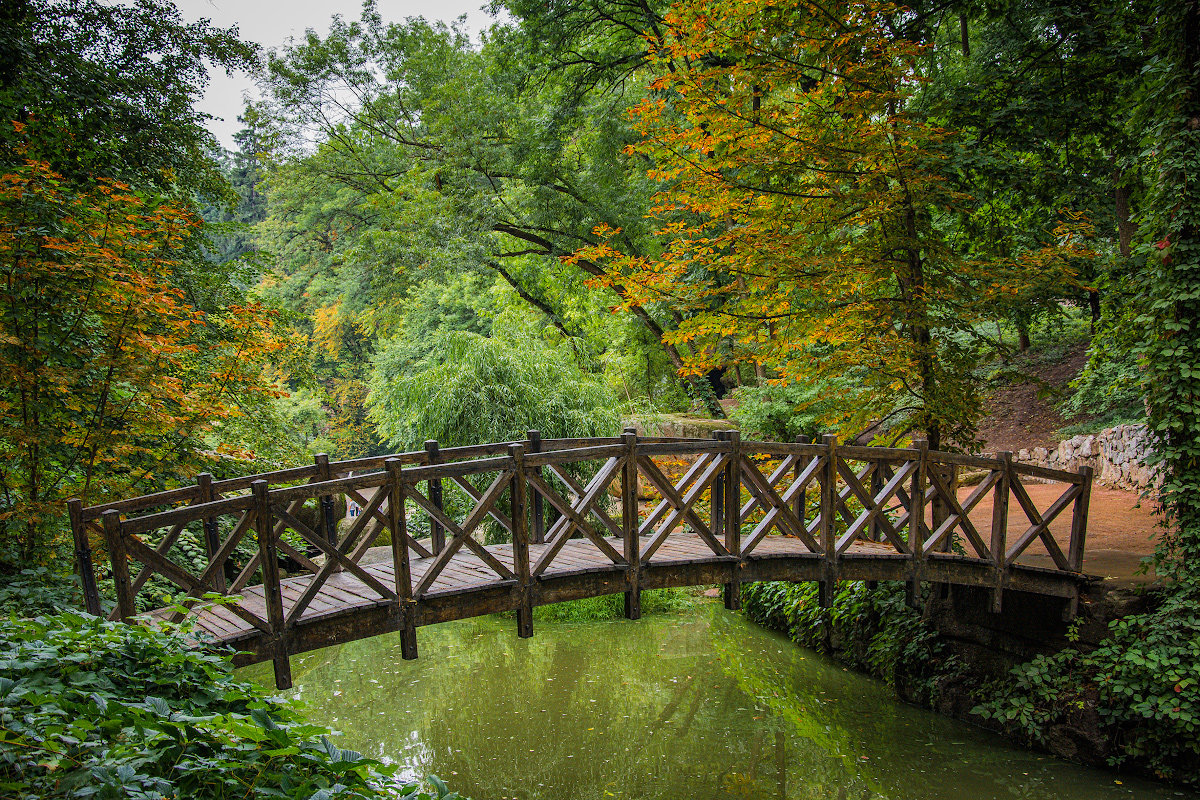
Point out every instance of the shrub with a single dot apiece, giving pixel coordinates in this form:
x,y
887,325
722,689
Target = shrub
x,y
1141,680
871,629
96,709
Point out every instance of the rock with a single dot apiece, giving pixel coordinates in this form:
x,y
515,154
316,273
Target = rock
x,y
1023,455
1085,448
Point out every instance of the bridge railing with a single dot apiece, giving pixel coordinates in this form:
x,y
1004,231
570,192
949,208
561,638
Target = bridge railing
x,y
631,497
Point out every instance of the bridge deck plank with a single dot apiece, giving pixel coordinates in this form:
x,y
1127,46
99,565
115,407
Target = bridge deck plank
x,y
466,572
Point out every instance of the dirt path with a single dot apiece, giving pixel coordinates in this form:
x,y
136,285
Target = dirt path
x,y
1119,531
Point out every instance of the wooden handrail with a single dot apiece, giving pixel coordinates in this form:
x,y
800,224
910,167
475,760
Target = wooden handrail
x,y
865,496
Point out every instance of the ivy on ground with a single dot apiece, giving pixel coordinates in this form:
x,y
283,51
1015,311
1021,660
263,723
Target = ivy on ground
x,y
95,709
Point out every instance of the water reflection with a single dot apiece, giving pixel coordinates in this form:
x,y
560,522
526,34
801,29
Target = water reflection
x,y
697,705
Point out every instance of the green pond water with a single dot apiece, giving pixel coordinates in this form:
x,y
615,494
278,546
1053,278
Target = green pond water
x,y
688,706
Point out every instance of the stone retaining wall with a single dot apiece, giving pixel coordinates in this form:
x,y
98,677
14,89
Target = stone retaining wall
x,y
1118,456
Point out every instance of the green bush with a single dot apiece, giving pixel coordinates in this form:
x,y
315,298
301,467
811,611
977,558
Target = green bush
x,y
38,591
1142,681
781,413
870,629
1110,388
96,709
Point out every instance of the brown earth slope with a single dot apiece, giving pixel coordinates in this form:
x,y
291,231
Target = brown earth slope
x,y
1026,415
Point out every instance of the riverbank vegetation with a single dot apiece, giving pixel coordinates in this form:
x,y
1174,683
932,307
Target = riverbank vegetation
x,y
1134,695
98,709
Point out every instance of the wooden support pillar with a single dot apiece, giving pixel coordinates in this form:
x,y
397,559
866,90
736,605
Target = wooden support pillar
x,y
800,503
398,521
999,541
212,530
437,534
538,529
328,517
874,533
273,595
916,520
828,531
1079,515
733,518
629,527
520,534
83,557
119,558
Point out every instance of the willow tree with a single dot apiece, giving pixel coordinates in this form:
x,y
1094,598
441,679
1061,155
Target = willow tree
x,y
802,210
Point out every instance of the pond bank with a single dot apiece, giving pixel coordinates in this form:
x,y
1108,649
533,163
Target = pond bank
x,y
1107,689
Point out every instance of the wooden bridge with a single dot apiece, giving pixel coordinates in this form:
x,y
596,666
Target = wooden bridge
x,y
569,521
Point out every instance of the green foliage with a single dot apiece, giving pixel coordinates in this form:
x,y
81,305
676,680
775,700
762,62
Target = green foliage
x,y
39,590
470,389
1141,681
96,709
1168,314
108,89
781,413
874,629
1110,386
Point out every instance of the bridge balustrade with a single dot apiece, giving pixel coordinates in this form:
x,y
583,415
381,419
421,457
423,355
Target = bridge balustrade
x,y
275,569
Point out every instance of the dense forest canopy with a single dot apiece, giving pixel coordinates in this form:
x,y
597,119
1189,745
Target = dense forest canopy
x,y
846,214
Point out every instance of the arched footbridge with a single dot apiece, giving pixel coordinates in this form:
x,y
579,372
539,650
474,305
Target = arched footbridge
x,y
276,570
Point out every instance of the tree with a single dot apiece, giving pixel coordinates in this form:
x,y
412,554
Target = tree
x,y
1168,319
469,389
804,209
107,90
110,380
448,158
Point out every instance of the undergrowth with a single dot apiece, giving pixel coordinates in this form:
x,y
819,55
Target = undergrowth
x,y
1141,682
95,709
870,629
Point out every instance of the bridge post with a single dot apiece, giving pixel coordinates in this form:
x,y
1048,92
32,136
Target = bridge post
x,y
1000,529
398,520
120,564
328,523
800,503
733,518
520,541
538,531
916,520
272,593
1079,514
437,534
83,557
629,527
828,585
212,533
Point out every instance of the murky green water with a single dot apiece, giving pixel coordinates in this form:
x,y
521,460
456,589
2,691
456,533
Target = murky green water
x,y
688,706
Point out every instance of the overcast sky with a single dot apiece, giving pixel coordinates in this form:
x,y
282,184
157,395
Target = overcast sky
x,y
270,23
